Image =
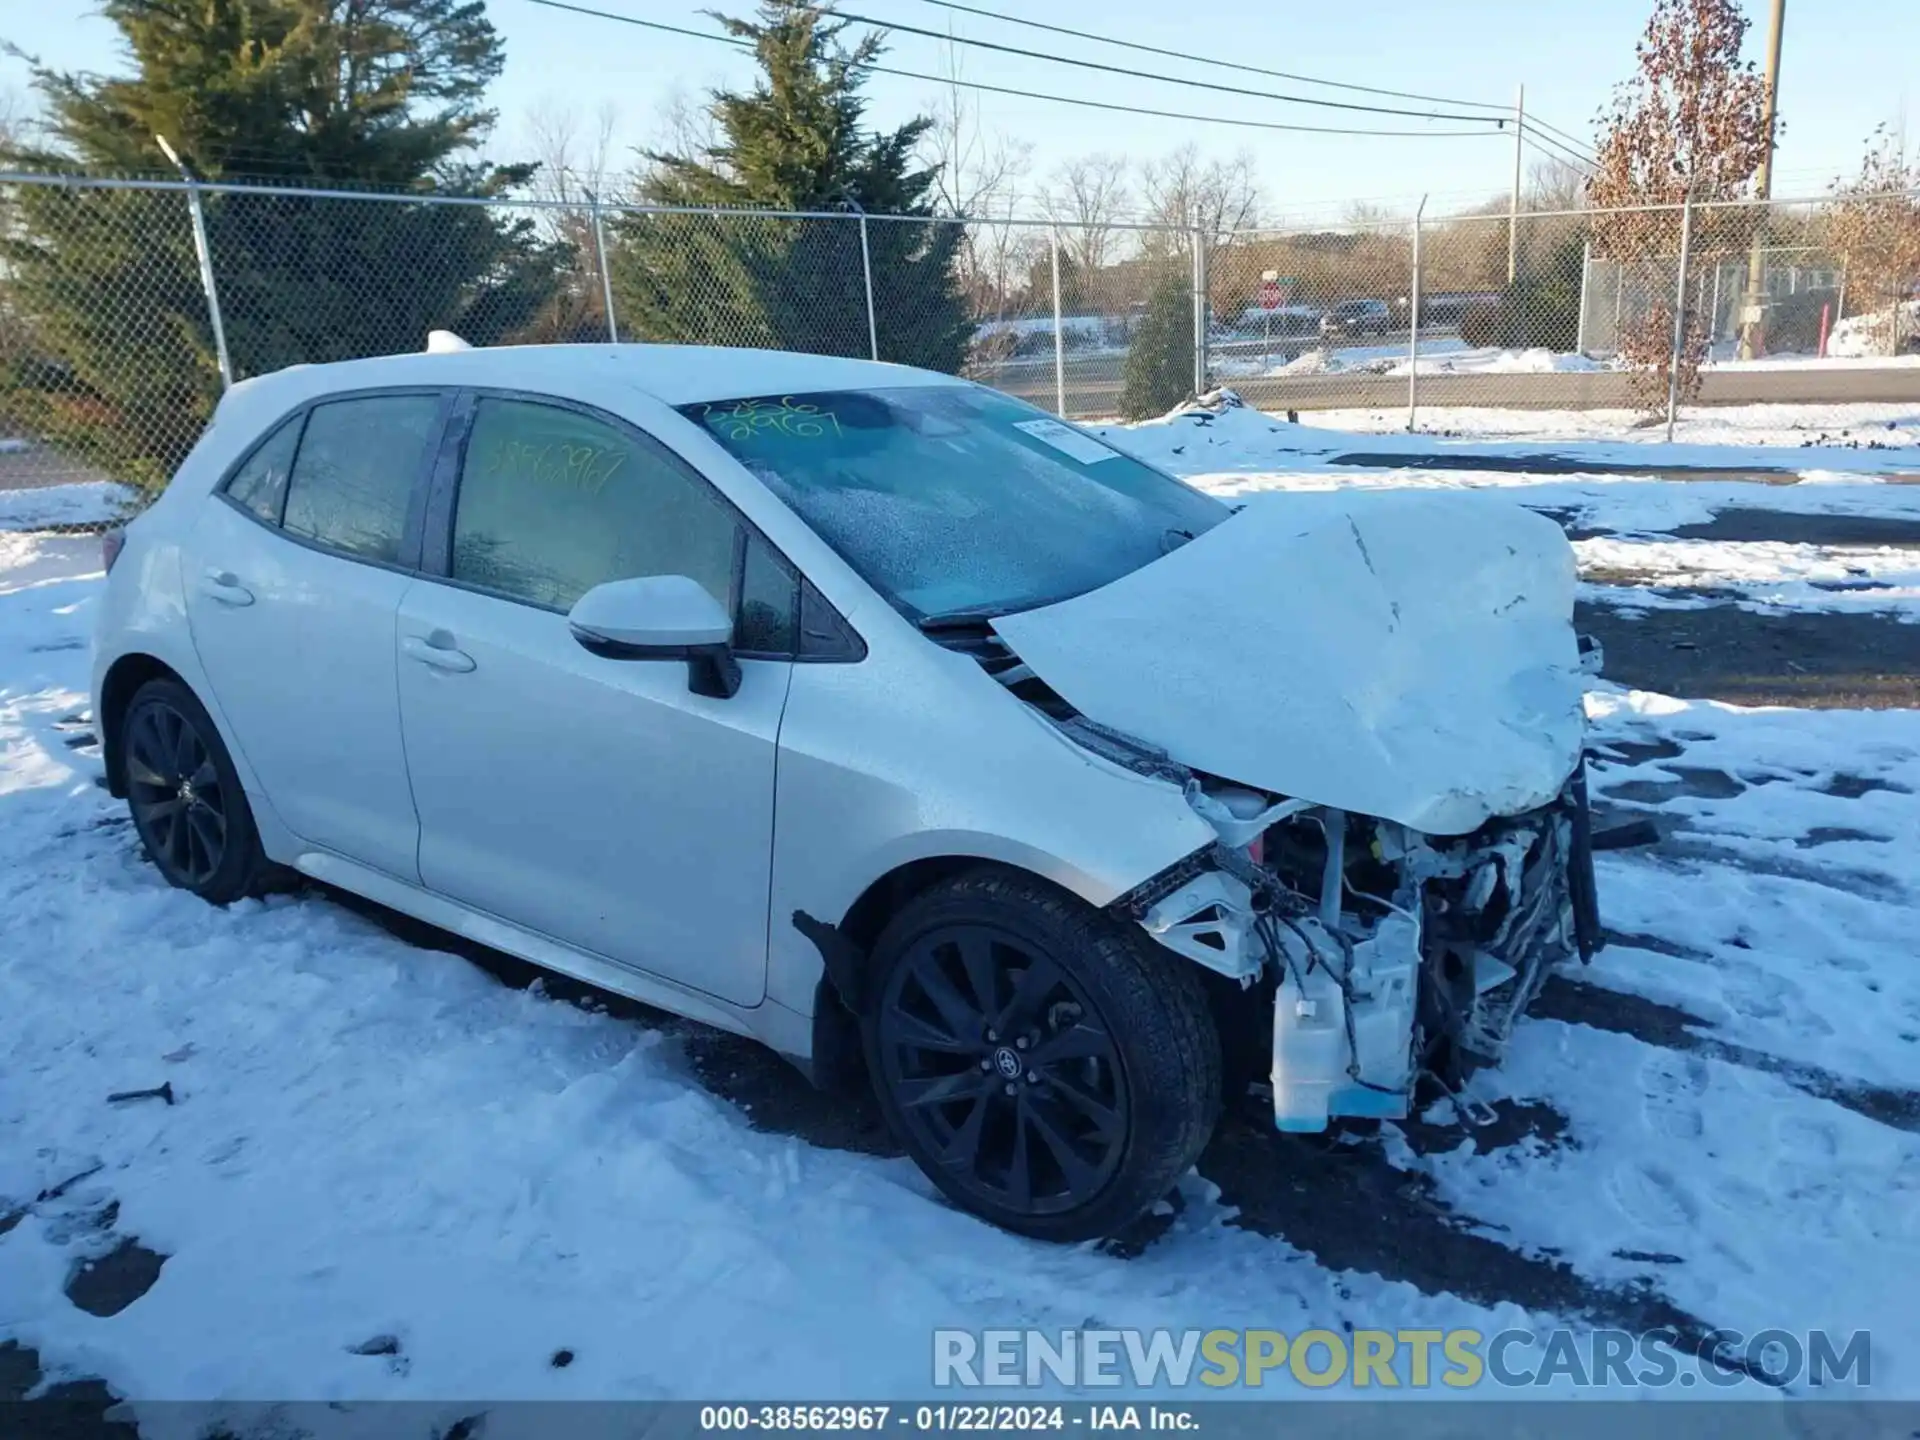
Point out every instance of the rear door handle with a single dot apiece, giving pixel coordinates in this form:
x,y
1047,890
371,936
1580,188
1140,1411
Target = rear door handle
x,y
225,586
437,650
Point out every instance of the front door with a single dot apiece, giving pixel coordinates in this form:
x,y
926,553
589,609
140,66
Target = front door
x,y
595,800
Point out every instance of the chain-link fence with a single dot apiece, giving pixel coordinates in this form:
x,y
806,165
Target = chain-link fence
x,y
126,306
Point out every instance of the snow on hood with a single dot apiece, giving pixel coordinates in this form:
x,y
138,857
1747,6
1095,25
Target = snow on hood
x,y
1404,655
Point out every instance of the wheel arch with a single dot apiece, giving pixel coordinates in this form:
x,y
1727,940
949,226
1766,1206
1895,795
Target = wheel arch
x,y
118,686
838,1062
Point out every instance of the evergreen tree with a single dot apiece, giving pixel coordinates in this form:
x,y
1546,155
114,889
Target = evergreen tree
x,y
1158,372
117,361
795,142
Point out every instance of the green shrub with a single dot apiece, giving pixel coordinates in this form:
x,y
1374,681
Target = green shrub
x,y
1158,373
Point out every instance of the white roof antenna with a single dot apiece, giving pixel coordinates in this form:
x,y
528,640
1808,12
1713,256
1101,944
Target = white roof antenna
x,y
445,342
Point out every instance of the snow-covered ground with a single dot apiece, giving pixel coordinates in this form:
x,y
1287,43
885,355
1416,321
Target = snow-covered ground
x,y
1760,575
1450,355
1239,447
1442,355
82,504
1758,429
374,1140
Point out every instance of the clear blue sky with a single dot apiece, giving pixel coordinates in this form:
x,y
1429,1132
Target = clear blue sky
x,y
1849,65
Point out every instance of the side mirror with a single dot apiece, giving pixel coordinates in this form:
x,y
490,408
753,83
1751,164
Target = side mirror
x,y
661,617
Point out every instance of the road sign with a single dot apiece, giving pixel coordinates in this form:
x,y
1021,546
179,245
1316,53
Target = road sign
x,y
1269,295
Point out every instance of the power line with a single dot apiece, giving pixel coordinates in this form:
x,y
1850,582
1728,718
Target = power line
x,y
1204,60
1547,145
1030,94
1572,140
1158,79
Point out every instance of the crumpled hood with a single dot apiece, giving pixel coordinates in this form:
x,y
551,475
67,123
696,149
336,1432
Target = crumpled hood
x,y
1404,655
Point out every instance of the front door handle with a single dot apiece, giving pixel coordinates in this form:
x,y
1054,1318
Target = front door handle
x,y
225,586
439,651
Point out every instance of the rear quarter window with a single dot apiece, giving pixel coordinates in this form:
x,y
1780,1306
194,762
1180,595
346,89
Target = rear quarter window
x,y
259,486
355,470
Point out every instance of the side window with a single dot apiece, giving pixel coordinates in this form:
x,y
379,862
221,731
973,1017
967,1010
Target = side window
x,y
355,471
769,597
553,502
260,485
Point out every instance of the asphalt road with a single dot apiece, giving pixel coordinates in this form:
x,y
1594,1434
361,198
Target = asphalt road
x,y
1093,388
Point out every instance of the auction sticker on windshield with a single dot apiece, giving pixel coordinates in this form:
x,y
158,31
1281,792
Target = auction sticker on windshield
x,y
1067,440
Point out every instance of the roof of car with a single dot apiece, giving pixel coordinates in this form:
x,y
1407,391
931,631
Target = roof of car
x,y
673,374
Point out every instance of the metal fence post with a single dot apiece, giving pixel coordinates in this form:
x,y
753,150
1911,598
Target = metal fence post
x,y
1059,328
1586,280
205,254
1679,316
606,276
1199,312
866,271
1413,324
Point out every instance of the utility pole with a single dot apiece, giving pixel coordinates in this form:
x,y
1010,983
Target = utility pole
x,y
1753,329
1513,207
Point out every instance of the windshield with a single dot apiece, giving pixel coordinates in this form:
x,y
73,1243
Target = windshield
x,y
956,500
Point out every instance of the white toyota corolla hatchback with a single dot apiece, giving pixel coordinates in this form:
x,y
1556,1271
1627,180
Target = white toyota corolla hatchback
x,y
882,717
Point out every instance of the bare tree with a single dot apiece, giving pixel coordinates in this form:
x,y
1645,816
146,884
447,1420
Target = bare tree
x,y
1369,215
575,154
1874,227
16,120
1690,125
1555,184
1086,198
1188,192
977,172
575,160
686,125
978,169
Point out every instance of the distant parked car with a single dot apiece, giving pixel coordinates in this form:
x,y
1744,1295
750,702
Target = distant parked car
x,y
1278,323
932,741
1357,317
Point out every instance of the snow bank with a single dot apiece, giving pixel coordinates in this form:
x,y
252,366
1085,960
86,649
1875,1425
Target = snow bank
x,y
43,506
1717,435
1866,335
1443,355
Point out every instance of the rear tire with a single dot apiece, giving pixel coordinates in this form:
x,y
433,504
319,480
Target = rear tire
x,y
185,797
1046,1066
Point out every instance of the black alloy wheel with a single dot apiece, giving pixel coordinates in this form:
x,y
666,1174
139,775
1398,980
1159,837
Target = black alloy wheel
x,y
1047,1065
1004,1070
185,797
178,801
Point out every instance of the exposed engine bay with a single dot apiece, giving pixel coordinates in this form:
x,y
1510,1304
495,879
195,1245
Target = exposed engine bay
x,y
1385,955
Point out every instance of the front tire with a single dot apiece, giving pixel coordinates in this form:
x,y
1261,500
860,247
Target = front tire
x,y
188,808
1044,1064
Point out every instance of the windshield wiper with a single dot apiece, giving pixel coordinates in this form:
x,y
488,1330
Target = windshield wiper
x,y
976,619
959,620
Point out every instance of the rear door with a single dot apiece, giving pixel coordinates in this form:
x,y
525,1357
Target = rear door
x,y
596,800
293,586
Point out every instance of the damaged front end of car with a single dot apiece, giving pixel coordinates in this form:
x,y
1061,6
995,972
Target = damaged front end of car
x,y
1387,956
1377,704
